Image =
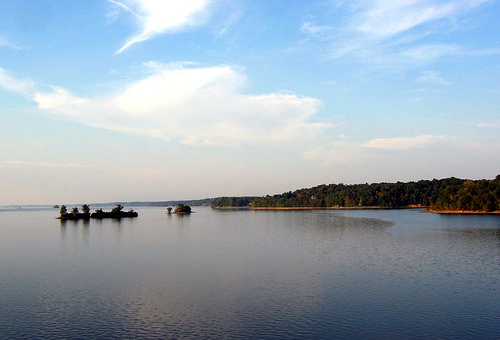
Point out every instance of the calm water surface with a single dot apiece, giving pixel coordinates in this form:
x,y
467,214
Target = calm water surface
x,y
250,274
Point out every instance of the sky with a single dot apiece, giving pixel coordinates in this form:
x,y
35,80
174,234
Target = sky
x,y
147,100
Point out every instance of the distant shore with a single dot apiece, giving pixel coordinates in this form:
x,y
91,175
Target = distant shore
x,y
427,210
462,212
320,208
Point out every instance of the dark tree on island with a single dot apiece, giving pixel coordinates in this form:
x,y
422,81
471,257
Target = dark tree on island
x,y
118,209
183,209
86,209
74,214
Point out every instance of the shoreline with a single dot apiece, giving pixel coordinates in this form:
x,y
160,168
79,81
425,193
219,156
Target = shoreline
x,y
320,208
425,209
462,212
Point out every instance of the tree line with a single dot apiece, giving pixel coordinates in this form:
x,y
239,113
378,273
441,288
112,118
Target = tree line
x,y
75,214
232,201
481,195
439,194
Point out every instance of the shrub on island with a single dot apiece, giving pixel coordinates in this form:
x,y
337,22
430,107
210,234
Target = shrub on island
x,y
116,212
75,214
183,209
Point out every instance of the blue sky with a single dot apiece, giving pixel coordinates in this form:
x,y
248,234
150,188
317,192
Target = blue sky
x,y
116,100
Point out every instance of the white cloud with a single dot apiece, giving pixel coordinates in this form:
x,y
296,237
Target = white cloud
x,y
403,143
431,77
161,16
195,105
8,83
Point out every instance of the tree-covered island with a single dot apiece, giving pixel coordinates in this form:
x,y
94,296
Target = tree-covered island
x,y
75,214
450,195
182,209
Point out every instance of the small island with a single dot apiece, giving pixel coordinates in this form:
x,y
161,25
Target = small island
x,y
117,213
181,209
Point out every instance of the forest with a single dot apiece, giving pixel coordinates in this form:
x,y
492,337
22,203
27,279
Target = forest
x,y
449,194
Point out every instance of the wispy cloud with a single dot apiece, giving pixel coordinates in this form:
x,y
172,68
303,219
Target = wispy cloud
x,y
6,43
195,105
161,16
9,83
382,19
433,78
403,143
427,53
316,30
228,15
394,33
342,150
334,152
412,157
490,125
28,164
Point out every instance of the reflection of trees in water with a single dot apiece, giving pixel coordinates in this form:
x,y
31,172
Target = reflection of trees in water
x,y
85,227
117,227
63,229
332,222
116,222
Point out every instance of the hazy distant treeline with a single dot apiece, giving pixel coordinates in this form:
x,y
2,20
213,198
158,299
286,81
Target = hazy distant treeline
x,y
200,202
439,194
232,201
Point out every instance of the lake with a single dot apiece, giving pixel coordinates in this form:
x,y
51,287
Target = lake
x,y
387,274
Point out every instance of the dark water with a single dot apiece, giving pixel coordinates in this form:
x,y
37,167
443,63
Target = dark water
x,y
250,274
